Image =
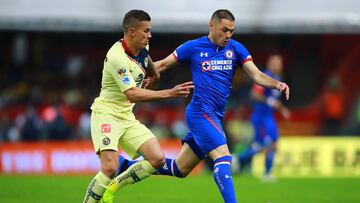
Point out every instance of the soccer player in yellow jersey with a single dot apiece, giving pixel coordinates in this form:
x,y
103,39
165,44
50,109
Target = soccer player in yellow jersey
x,y
112,122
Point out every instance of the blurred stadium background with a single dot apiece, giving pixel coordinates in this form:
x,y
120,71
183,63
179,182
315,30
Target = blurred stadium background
x,y
51,55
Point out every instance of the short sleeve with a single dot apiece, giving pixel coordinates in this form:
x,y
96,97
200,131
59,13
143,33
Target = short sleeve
x,y
184,52
242,54
122,76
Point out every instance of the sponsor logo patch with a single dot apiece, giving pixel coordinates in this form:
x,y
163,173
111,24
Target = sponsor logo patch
x,y
139,79
216,65
206,65
106,128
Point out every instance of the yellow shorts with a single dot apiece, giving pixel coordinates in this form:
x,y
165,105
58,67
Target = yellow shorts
x,y
109,132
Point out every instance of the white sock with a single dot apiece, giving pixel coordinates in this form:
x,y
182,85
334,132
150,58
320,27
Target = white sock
x,y
96,188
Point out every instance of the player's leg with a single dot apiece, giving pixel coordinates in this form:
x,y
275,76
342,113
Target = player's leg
x,y
184,163
179,167
136,140
269,159
256,145
222,173
210,138
189,156
99,183
153,160
273,135
253,149
105,141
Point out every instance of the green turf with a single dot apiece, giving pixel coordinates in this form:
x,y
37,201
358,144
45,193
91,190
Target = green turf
x,y
194,189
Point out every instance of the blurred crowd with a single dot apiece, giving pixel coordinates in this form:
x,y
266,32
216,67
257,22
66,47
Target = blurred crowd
x,y
48,82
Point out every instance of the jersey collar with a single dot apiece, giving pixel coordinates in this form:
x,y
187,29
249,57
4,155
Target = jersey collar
x,y
218,48
126,48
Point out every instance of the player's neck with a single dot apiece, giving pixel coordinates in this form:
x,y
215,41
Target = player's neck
x,y
211,38
130,46
213,41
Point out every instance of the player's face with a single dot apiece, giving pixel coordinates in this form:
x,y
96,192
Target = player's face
x,y
222,31
275,64
142,33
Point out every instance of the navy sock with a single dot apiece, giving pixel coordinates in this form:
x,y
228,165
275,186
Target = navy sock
x,y
124,164
170,167
223,178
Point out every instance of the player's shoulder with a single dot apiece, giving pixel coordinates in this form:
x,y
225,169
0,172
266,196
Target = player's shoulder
x,y
238,48
115,48
116,56
236,43
116,51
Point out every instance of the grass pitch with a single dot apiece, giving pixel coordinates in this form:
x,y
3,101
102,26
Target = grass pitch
x,y
193,189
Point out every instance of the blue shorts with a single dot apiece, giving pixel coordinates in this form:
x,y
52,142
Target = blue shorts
x,y
266,132
206,133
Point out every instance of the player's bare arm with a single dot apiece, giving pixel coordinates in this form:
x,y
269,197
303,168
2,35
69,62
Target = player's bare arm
x,y
262,79
136,94
165,63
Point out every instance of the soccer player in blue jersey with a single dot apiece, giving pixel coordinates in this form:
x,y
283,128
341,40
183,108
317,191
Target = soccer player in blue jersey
x,y
213,60
266,101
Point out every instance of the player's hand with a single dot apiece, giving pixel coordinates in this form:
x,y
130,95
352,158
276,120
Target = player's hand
x,y
146,82
283,88
182,90
149,82
285,113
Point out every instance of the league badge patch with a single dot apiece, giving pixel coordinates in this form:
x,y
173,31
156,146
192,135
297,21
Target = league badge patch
x,y
126,80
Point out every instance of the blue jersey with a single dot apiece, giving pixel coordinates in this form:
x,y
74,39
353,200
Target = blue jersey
x,y
262,109
262,118
212,68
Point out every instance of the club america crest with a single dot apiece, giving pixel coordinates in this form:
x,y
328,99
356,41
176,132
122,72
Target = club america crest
x,y
106,141
146,62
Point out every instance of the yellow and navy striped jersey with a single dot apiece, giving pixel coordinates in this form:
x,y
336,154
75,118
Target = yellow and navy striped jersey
x,y
122,71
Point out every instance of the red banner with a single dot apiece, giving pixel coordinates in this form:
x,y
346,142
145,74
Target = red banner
x,y
60,157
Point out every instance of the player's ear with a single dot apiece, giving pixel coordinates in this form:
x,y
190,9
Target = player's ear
x,y
131,31
211,24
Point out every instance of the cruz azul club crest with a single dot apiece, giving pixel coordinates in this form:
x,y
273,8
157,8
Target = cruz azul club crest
x,y
229,54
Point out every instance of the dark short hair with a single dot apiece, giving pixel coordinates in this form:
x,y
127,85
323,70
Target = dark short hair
x,y
222,14
133,17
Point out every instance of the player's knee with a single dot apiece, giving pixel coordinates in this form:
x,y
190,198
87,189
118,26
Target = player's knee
x,y
110,170
184,172
158,161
